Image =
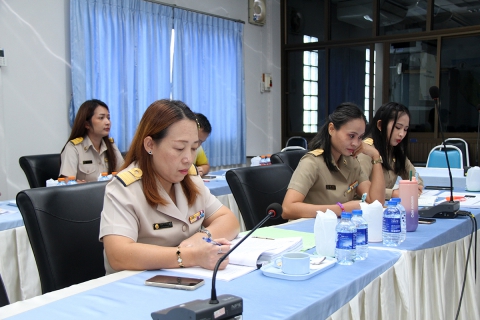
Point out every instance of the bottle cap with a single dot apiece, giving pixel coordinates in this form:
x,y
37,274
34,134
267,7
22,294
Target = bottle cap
x,y
114,173
71,178
61,179
357,212
104,174
392,203
346,215
397,200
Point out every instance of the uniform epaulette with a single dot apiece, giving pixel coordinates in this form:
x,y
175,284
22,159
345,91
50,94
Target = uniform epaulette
x,y
77,140
111,140
192,171
369,141
316,152
130,176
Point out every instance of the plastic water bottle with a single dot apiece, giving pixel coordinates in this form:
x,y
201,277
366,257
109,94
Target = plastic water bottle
x,y
362,234
391,225
263,161
71,181
403,214
345,250
267,160
61,182
103,177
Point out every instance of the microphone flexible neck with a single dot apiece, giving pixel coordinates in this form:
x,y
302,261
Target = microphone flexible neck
x,y
445,150
213,298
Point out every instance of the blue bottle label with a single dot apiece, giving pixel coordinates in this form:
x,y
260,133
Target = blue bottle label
x,y
346,240
392,225
362,237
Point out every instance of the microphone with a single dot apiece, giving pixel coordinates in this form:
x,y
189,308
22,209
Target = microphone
x,y
446,209
225,306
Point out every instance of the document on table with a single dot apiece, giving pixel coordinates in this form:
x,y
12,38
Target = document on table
x,y
466,199
232,271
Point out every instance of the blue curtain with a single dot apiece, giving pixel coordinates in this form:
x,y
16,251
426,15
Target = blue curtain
x,y
120,53
208,76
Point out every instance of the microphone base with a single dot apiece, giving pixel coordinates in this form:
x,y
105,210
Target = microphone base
x,y
228,307
444,210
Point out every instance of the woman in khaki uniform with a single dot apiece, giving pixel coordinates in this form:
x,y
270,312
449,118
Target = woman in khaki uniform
x,y
388,133
329,175
156,213
89,150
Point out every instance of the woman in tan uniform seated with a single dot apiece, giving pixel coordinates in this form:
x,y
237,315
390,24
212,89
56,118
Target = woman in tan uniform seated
x,y
329,175
388,132
90,151
157,211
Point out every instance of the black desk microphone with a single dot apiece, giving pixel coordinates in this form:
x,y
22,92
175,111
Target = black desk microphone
x,y
446,209
225,306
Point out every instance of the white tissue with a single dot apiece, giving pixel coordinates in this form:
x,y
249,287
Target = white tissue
x,y
373,213
325,233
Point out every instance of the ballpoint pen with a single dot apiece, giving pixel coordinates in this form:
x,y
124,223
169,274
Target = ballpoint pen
x,y
211,241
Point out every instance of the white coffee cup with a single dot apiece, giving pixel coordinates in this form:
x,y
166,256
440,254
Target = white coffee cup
x,y
294,263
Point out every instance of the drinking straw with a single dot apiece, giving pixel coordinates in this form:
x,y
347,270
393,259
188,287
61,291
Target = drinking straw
x,y
410,175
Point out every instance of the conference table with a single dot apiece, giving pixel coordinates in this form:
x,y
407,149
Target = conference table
x,y
419,279
17,262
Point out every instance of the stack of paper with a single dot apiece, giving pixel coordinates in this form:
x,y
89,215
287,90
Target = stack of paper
x,y
259,249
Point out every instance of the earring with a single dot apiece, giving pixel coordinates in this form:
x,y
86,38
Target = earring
x,y
150,152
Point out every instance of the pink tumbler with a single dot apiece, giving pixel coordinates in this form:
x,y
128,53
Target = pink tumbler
x,y
409,194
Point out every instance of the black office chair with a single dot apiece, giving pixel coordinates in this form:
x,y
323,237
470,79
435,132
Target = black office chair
x,y
39,168
63,225
297,141
3,294
255,188
291,157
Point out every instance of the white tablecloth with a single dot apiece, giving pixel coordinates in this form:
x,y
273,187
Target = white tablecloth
x,y
420,286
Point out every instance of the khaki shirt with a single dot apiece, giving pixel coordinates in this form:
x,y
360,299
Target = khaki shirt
x,y
84,162
389,176
321,186
127,213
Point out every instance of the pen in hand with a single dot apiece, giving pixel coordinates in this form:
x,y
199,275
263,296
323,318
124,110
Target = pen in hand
x,y
211,241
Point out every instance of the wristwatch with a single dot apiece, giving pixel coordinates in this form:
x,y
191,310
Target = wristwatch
x,y
202,229
379,160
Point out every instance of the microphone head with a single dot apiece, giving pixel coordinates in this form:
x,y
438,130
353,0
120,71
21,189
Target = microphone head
x,y
275,210
434,92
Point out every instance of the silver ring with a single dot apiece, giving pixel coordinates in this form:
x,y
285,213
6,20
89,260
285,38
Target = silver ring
x,y
220,251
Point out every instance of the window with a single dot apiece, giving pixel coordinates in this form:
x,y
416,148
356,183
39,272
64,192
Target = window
x,y
310,88
367,82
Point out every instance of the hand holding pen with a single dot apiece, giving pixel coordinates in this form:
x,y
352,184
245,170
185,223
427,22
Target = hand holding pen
x,y
211,241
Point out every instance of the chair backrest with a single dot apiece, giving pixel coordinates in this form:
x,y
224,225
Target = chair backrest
x,y
297,141
39,168
436,157
63,225
255,188
463,146
290,157
3,294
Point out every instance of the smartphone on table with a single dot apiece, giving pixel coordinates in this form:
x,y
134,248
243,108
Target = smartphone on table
x,y
209,177
426,220
175,282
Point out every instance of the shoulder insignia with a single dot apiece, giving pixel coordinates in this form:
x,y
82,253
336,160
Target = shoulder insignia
x,y
316,152
111,140
130,176
369,141
192,171
77,140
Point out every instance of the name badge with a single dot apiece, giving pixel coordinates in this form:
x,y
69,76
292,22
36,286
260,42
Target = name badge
x,y
197,216
87,162
163,225
331,187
